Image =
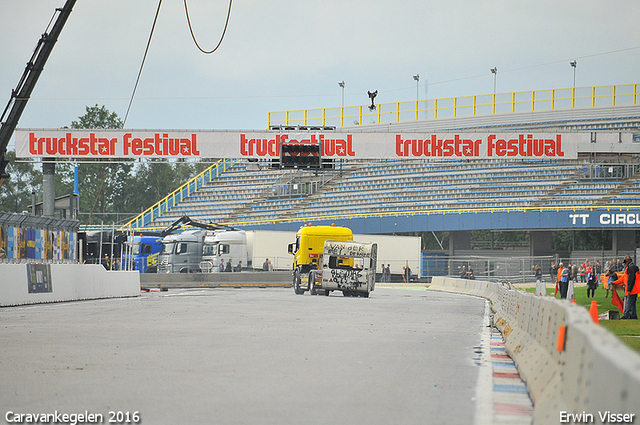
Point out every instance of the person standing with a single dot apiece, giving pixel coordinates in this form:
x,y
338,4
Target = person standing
x,y
265,265
597,271
228,268
563,281
221,265
631,288
541,288
591,281
106,263
388,273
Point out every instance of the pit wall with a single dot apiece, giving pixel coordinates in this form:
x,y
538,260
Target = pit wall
x,y
63,282
594,372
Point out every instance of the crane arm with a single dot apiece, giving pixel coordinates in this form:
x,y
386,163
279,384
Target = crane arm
x,y
21,94
186,221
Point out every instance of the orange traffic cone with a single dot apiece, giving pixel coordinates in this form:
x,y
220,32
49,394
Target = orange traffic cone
x,y
594,311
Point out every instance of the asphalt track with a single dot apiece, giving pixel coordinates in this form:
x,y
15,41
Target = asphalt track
x,y
248,356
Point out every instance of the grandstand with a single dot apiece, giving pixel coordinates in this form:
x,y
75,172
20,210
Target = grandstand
x,y
253,194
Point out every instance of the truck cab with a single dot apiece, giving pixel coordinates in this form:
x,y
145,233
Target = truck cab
x,y
142,254
181,252
223,245
308,251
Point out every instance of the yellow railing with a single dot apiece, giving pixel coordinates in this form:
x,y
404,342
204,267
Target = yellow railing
x,y
464,106
156,210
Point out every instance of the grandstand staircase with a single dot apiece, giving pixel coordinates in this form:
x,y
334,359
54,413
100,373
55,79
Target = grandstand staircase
x,y
552,194
307,200
619,188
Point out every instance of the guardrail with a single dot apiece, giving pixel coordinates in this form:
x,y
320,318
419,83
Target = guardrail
x,y
162,206
569,363
452,107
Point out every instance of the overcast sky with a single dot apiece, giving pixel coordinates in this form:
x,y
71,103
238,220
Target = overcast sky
x,y
286,54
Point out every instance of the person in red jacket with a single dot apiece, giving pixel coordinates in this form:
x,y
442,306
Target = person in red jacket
x,y
631,288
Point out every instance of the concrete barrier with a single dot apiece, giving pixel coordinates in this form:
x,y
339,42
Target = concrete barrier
x,y
588,371
43,283
214,280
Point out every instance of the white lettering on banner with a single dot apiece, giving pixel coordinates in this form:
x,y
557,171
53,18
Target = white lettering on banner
x,y
620,218
66,143
575,217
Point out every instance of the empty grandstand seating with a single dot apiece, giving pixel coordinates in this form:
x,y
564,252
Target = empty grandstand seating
x,y
401,186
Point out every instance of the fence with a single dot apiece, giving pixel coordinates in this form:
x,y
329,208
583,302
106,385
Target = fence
x,y
515,269
464,106
36,239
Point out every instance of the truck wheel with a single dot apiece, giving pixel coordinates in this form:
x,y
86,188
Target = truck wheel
x,y
296,284
312,284
365,295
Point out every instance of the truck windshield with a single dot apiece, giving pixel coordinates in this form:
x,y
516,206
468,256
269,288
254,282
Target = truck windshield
x,y
167,248
135,248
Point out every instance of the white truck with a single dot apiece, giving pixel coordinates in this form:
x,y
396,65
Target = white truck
x,y
222,247
355,278
252,247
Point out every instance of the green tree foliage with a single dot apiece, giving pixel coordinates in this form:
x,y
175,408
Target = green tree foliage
x,y
98,118
15,192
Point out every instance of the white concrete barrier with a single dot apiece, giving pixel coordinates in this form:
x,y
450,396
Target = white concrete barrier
x,y
42,283
591,371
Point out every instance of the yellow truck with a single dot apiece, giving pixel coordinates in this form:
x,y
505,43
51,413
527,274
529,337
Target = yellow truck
x,y
309,250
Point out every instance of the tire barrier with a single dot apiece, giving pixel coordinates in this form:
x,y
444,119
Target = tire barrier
x,y
571,366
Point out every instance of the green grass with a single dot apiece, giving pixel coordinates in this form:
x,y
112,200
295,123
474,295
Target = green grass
x,y
620,328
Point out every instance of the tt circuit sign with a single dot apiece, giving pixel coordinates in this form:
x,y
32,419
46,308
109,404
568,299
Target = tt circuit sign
x,y
604,219
65,143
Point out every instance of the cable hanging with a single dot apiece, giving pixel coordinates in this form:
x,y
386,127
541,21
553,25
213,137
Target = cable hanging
x,y
186,9
144,58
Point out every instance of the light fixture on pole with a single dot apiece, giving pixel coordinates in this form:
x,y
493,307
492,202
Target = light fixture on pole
x,y
573,64
417,78
494,71
341,84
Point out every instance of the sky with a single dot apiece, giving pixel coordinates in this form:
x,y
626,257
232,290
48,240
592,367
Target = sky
x,y
283,55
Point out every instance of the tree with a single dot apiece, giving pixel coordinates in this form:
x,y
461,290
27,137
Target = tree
x,y
15,192
102,184
98,118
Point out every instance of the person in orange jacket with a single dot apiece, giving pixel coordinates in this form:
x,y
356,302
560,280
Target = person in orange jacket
x,y
631,288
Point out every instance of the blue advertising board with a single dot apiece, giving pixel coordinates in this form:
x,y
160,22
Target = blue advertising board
x,y
568,219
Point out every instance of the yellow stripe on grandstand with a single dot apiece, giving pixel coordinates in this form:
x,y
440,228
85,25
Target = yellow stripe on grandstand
x,y
453,107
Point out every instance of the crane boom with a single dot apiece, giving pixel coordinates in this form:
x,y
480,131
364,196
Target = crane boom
x,y
21,94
